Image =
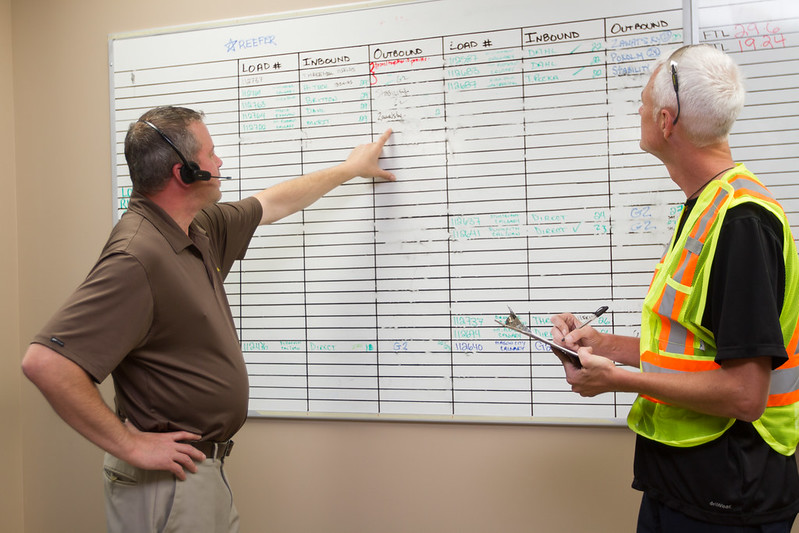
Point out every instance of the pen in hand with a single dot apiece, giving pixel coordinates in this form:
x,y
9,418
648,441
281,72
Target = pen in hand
x,y
599,312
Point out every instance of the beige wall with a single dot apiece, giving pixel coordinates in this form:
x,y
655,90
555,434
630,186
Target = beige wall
x,y
10,412
289,475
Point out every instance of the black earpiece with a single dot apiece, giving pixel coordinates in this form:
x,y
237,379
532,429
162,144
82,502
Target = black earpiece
x,y
190,171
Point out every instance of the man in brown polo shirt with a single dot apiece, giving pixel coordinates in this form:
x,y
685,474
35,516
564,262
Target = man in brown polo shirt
x,y
153,314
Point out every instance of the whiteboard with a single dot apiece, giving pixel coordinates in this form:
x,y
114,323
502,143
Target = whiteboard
x,y
520,183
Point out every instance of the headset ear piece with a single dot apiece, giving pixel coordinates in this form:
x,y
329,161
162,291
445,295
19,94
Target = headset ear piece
x,y
187,172
190,172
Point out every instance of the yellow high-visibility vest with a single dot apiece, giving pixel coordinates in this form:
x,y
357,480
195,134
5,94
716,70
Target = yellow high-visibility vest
x,y
673,339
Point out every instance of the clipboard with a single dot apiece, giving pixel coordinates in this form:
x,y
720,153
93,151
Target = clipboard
x,y
513,322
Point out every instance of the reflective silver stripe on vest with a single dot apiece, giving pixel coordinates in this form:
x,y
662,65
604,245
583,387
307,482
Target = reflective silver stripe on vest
x,y
694,245
678,337
745,182
784,380
649,367
677,332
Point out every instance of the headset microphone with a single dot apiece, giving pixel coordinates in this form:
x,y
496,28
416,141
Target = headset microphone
x,y
190,171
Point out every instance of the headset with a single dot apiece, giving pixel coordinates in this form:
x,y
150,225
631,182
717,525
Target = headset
x,y
190,171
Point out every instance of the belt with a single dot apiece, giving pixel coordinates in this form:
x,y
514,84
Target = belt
x,y
213,450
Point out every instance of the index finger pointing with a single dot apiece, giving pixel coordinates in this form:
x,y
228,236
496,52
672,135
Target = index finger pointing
x,y
384,137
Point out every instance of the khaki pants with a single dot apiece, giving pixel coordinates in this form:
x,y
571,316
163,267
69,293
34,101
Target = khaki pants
x,y
148,501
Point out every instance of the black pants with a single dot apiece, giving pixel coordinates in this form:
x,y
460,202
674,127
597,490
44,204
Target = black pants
x,y
654,517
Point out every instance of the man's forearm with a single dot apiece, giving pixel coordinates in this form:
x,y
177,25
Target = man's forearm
x,y
75,397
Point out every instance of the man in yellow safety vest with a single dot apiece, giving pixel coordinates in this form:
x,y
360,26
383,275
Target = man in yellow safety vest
x,y
717,412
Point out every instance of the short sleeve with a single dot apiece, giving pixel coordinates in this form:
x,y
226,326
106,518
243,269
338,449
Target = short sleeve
x,y
107,316
747,286
230,227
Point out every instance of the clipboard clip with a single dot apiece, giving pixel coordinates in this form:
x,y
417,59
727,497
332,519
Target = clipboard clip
x,y
513,322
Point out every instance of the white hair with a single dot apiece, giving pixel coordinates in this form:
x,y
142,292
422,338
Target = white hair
x,y
711,91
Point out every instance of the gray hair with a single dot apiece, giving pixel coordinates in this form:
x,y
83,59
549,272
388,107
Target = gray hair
x,y
711,91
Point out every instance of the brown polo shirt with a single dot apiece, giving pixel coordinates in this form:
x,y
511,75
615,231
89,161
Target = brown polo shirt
x,y
153,313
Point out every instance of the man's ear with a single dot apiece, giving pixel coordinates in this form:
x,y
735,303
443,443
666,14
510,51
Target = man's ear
x,y
176,168
666,122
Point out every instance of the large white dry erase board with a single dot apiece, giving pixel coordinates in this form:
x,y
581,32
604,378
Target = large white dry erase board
x,y
520,182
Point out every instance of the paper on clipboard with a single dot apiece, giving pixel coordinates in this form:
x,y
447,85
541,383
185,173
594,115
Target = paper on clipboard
x,y
513,322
